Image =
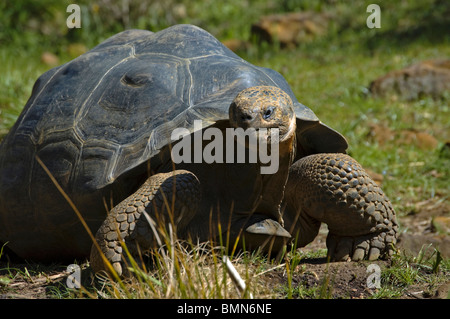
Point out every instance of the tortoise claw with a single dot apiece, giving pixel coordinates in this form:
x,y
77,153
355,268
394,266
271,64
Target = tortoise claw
x,y
268,227
261,233
370,247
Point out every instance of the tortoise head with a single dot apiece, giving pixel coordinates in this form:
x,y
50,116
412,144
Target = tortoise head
x,y
264,107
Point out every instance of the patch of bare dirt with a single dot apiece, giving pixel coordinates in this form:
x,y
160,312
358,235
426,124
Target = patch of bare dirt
x,y
339,279
428,224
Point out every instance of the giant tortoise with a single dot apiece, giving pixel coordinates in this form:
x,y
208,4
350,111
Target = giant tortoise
x,y
97,136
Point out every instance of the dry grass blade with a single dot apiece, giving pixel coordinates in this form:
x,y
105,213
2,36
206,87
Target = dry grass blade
x,y
238,281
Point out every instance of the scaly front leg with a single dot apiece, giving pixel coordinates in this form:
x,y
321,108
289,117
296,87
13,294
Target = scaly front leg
x,y
334,189
166,198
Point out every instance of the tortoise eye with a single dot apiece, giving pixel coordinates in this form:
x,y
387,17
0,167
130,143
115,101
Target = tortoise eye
x,y
268,113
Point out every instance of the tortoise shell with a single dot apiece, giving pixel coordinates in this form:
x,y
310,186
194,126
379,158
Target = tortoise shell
x,y
97,122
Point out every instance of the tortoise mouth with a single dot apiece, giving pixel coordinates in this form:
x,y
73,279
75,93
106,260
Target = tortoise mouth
x,y
264,129
290,130
283,133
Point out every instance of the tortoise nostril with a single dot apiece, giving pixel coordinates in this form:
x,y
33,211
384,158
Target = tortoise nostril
x,y
246,117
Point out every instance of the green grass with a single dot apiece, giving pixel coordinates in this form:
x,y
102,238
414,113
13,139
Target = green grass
x,y
407,271
331,75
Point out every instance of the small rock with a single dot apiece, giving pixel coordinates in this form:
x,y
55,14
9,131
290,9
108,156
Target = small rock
x,y
430,78
441,224
376,177
236,44
380,134
290,29
422,140
383,135
49,59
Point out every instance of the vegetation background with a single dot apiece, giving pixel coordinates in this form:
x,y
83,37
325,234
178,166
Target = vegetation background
x,y
330,73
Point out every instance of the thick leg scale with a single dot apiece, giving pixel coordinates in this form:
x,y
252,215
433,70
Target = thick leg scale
x,y
335,189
